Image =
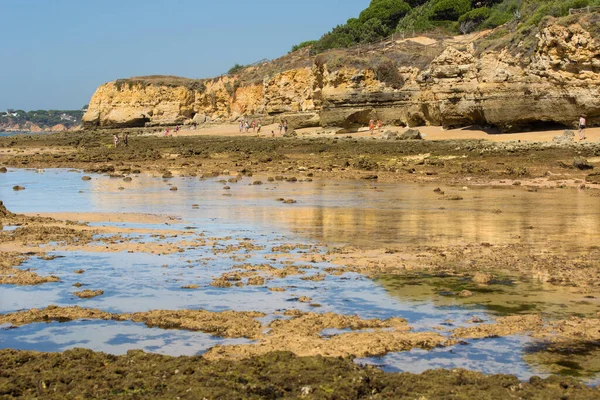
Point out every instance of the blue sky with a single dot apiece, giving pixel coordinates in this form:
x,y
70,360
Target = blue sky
x,y
56,52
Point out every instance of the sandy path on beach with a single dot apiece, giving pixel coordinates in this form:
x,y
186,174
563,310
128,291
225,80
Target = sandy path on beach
x,y
429,133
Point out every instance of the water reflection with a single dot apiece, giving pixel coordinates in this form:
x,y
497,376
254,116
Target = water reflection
x,y
505,296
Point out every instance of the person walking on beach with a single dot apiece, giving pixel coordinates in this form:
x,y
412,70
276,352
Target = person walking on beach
x,y
285,126
167,131
253,126
126,139
582,127
372,127
379,125
259,125
116,139
241,126
247,126
280,127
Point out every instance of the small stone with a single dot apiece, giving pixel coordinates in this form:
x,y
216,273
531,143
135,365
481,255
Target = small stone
x,y
482,278
465,293
453,197
173,188
190,287
88,294
79,271
16,188
86,178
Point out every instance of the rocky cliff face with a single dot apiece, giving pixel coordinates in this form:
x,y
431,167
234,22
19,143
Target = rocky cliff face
x,y
557,82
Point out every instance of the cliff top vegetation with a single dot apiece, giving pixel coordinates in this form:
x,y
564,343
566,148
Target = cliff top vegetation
x,y
383,18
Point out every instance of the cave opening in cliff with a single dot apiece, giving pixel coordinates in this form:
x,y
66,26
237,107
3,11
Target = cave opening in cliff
x,y
358,119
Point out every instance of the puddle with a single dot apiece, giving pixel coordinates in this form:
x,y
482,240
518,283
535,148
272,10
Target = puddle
x,y
359,213
110,337
505,296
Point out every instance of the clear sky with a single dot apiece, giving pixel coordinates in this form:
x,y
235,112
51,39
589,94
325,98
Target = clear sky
x,y
56,52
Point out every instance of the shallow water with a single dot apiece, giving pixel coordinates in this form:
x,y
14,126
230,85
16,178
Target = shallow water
x,y
345,212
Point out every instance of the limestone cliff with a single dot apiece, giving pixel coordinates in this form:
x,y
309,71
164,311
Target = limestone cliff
x,y
554,80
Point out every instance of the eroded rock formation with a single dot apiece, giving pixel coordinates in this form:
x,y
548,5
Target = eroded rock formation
x,y
553,81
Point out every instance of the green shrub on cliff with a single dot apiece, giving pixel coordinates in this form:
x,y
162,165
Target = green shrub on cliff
x,y
450,10
384,17
235,69
302,45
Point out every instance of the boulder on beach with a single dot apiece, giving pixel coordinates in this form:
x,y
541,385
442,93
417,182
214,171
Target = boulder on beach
x,y
4,213
411,134
582,164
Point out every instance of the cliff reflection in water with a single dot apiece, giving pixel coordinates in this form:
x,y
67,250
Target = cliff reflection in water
x,y
374,215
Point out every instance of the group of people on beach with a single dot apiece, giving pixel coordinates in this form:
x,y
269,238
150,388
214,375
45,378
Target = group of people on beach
x,y
372,126
245,126
168,130
117,141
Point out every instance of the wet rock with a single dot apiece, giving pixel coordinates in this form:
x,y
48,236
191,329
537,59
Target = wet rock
x,y
566,137
465,293
78,284
127,179
304,299
221,283
582,164
257,183
280,199
277,289
16,188
410,134
88,294
79,271
4,212
482,278
86,178
593,177
256,281
3,170
475,320
226,187
173,188
190,287
389,135
289,201
370,177
452,197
